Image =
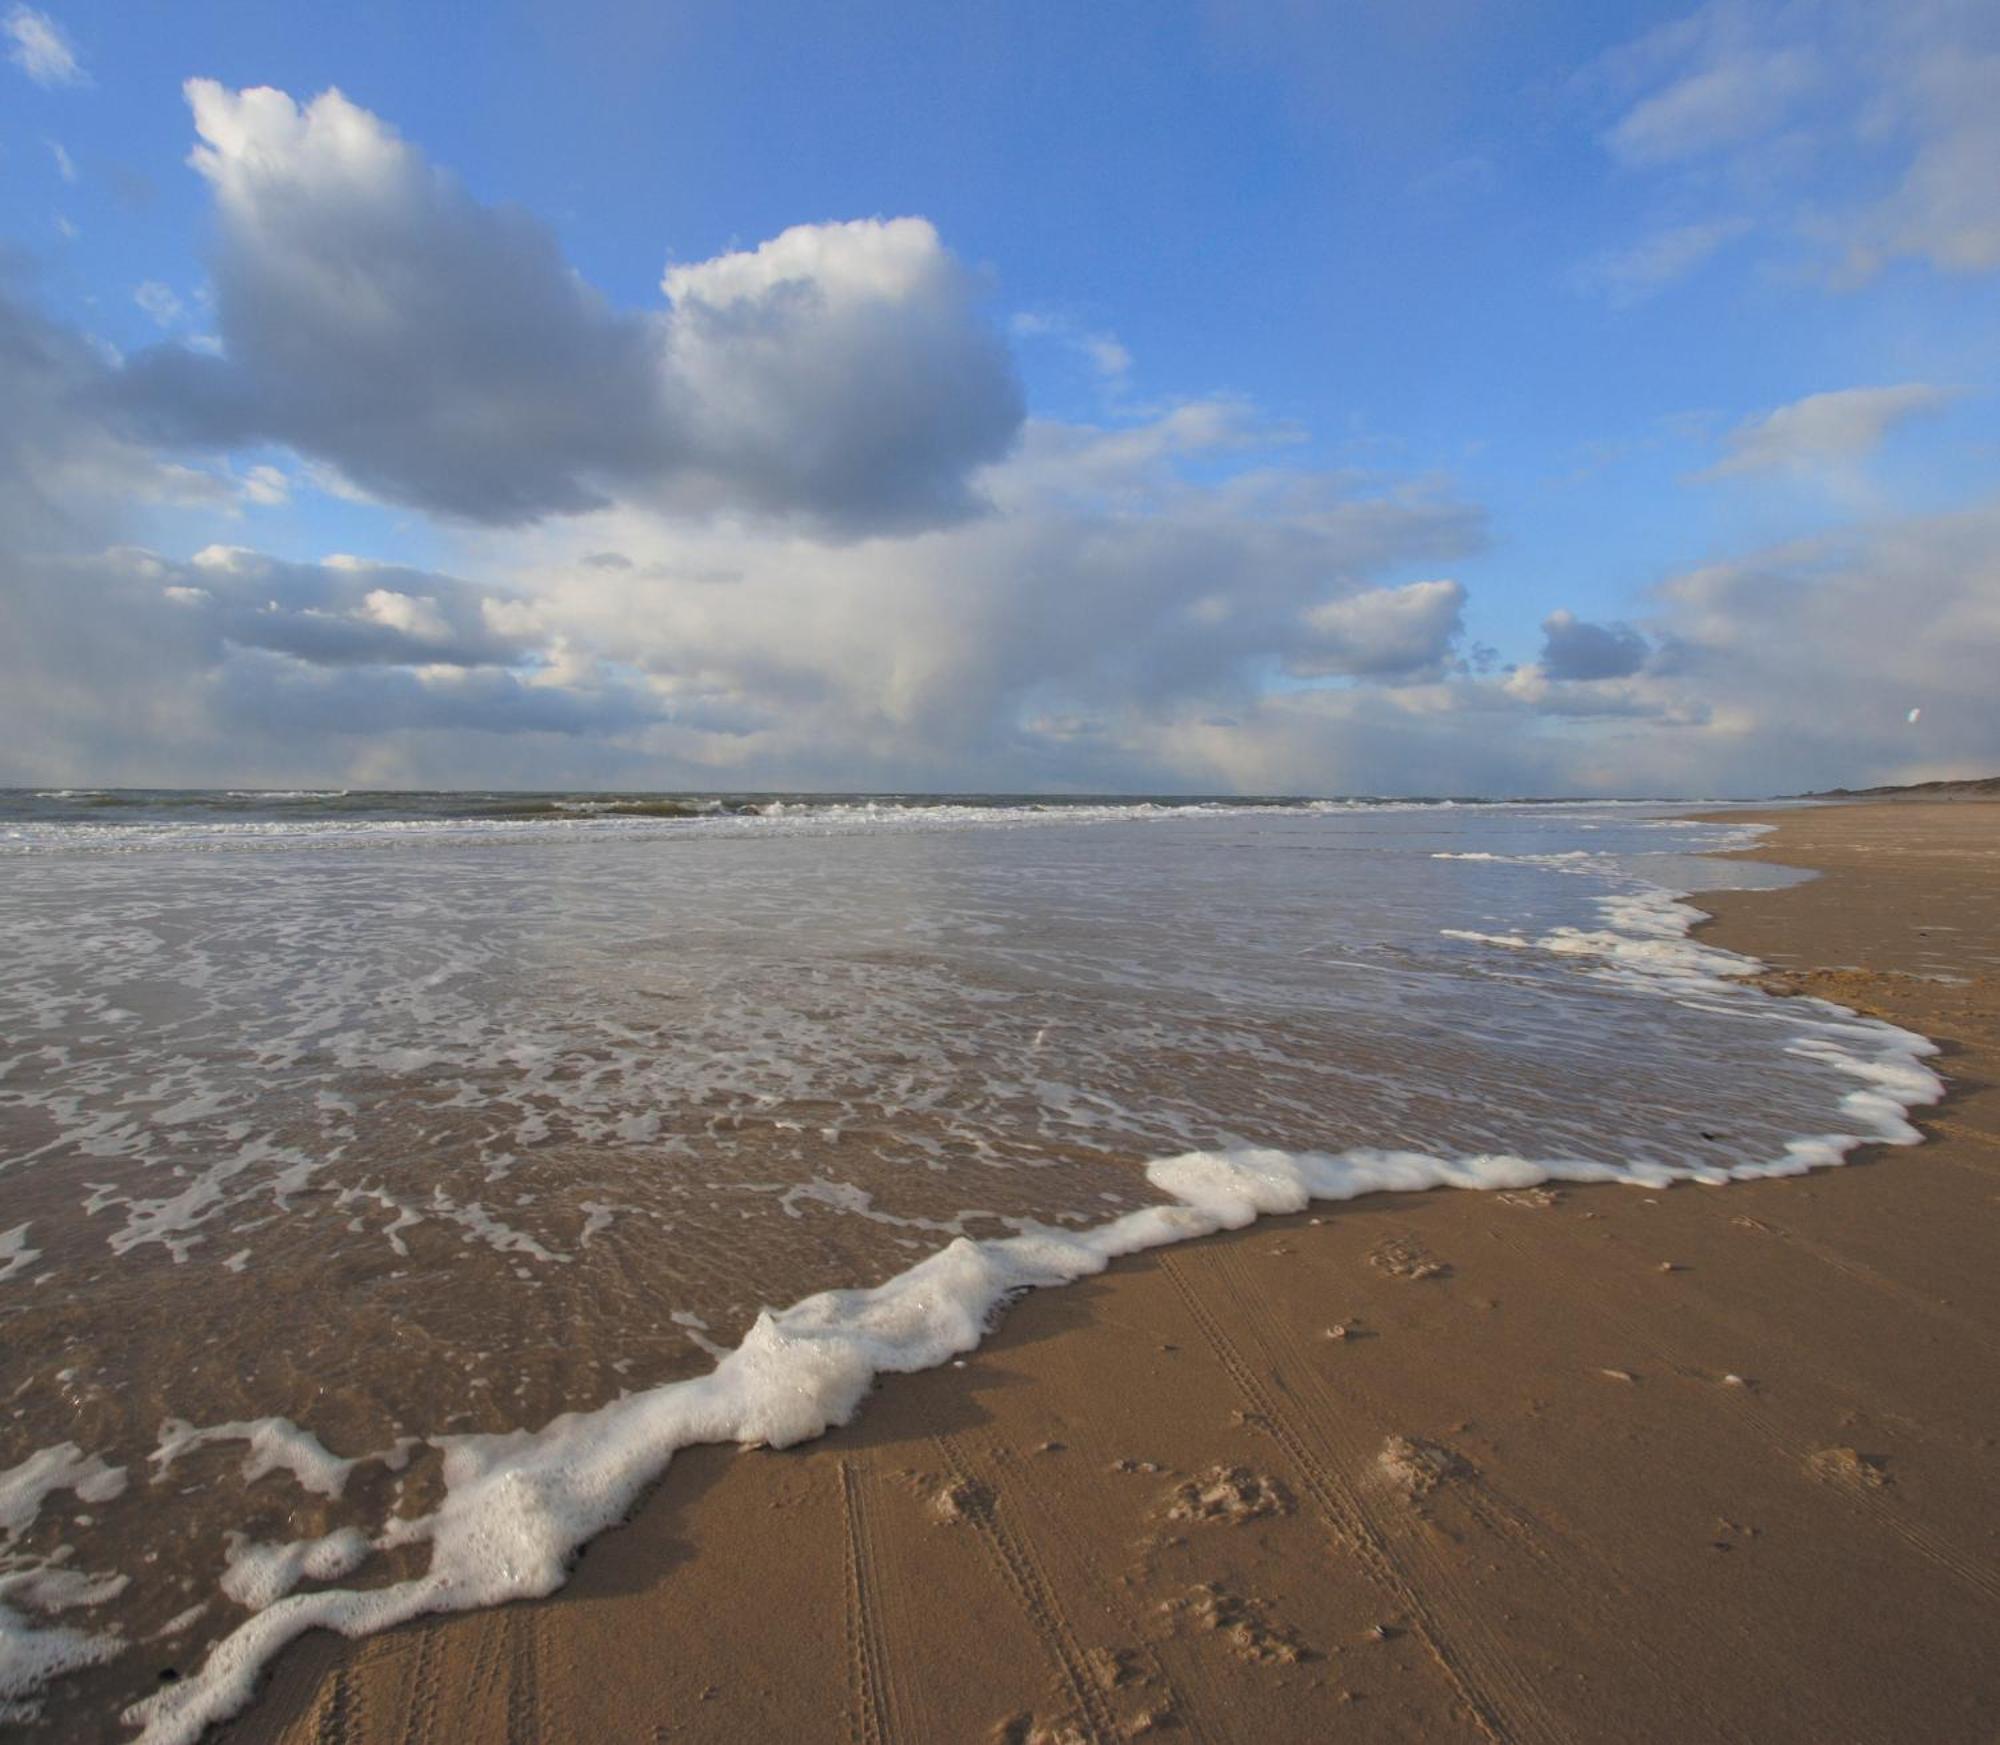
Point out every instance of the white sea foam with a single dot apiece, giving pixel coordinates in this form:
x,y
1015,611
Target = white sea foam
x,y
65,1467
517,1506
481,1226
1568,857
180,1621
15,1254
260,1575
31,1655
584,819
275,1445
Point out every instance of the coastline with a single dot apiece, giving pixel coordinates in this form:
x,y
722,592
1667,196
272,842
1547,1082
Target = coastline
x,y
1585,1529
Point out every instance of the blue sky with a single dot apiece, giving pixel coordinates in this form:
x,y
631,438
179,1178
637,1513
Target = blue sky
x,y
1538,269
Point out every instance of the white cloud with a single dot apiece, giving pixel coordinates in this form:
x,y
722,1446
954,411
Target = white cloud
x,y
1820,649
410,615
1825,430
1794,668
62,469
1104,352
265,486
1864,133
1126,576
837,368
1629,274
442,353
1388,633
1945,209
65,164
40,49
1041,645
1173,599
159,303
1733,93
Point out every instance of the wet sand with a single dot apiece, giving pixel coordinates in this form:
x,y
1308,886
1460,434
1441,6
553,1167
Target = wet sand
x,y
1587,1464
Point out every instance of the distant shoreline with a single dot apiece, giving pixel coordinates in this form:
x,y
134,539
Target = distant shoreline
x,y
1969,788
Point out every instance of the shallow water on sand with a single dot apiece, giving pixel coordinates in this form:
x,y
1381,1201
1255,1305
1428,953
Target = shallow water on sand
x,y
412,1129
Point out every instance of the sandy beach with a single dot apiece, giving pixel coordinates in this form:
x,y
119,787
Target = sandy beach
x,y
1578,1463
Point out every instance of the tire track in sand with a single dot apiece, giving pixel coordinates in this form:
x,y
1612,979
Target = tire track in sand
x,y
872,1708
483,1678
1864,1274
339,1718
420,1715
1021,1571
1874,1502
1501,1702
525,1724
1086,1573
1958,1130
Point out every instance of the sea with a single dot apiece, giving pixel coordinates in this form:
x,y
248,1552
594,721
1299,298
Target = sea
x,y
390,1183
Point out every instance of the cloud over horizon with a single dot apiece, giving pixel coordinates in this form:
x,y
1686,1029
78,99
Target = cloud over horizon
x,y
793,524
443,354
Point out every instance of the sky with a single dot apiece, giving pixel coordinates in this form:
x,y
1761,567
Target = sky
x,y
1237,396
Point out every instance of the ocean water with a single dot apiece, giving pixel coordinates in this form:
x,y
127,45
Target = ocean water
x,y
389,1184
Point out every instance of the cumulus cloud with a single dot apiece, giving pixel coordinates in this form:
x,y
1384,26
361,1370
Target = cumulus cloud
x,y
440,352
124,665
37,45
60,464
1121,637
1575,648
119,664
841,369
1793,668
1383,633
344,612
1818,650
1174,598
1823,430
1042,645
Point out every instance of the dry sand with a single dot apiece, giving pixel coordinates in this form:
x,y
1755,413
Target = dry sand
x,y
1592,1464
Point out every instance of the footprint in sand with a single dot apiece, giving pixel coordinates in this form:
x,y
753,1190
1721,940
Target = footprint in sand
x,y
1228,1495
1405,1257
1849,1468
1417,1468
1245,1624
958,1503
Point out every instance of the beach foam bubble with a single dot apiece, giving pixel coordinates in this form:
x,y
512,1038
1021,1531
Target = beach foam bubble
x,y
31,1654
